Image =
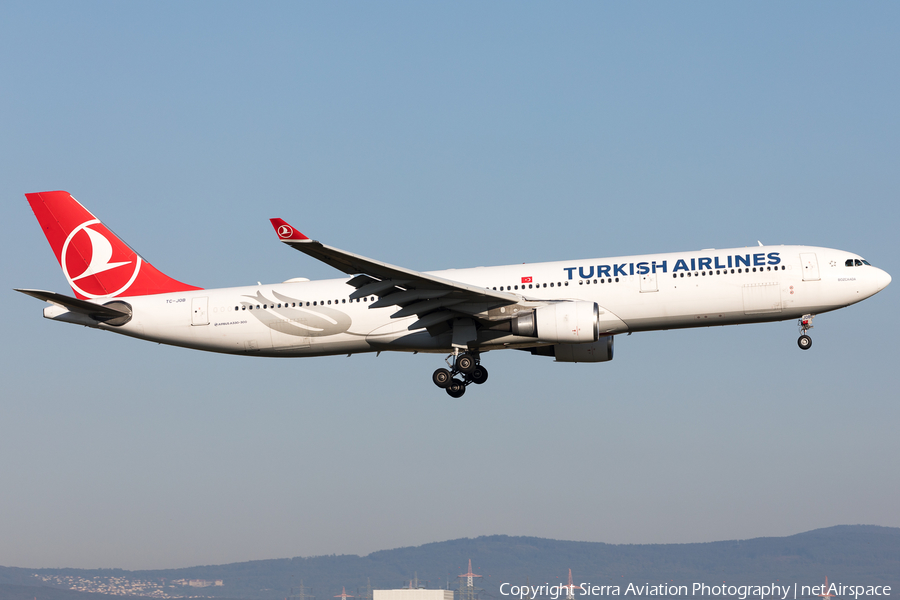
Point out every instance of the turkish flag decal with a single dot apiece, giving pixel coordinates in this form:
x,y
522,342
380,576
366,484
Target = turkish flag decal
x,y
526,280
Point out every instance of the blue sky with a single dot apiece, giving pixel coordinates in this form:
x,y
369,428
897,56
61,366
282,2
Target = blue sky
x,y
436,136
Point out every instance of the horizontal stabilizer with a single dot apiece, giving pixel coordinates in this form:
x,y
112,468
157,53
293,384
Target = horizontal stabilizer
x,y
95,311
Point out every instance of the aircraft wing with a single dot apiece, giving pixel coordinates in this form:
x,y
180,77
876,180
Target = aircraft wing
x,y
433,299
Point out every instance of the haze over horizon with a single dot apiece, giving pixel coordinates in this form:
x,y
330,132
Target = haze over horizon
x,y
432,137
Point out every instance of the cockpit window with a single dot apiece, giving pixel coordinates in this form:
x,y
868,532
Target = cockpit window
x,y
856,262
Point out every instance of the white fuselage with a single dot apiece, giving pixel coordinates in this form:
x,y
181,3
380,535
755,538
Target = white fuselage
x,y
634,293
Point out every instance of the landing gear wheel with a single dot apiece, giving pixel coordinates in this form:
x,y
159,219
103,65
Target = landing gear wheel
x,y
456,388
805,342
479,375
465,364
442,378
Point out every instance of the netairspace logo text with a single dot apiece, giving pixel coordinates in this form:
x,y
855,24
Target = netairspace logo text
x,y
741,592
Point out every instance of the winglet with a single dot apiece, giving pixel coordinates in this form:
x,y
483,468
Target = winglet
x,y
286,233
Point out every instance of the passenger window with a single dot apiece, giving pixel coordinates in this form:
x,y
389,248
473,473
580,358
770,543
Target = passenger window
x,y
530,286
551,284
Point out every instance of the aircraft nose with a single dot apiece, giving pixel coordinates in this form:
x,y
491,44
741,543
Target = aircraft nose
x,y
882,279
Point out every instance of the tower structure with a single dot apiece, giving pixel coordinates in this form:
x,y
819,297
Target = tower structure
x,y
367,595
301,593
825,594
570,589
468,591
344,595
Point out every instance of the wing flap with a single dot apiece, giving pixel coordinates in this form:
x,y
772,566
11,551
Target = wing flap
x,y
425,307
408,296
376,287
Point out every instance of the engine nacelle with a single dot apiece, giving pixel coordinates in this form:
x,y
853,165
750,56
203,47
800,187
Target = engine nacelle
x,y
561,322
599,351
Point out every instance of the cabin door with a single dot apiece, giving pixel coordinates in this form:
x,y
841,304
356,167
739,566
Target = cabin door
x,y
199,314
810,266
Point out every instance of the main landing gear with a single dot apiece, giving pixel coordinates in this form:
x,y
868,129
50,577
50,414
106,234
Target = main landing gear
x,y
468,365
805,342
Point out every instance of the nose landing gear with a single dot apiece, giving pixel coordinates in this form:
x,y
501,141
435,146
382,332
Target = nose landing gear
x,y
468,365
805,342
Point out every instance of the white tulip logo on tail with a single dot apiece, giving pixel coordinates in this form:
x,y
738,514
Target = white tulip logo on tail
x,y
101,254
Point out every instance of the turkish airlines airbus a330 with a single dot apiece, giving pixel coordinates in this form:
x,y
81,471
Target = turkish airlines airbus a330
x,y
569,310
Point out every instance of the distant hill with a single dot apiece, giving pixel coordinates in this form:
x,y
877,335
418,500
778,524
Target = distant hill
x,y
852,554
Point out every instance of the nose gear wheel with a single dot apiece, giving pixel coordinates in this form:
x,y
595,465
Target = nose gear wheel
x,y
805,323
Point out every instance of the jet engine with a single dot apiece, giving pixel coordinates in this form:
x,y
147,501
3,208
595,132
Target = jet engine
x,y
575,322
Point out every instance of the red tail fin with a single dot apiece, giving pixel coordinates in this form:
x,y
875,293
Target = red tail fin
x,y
95,262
